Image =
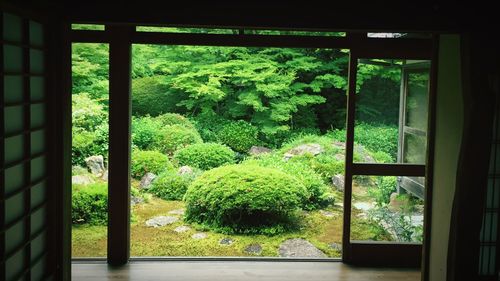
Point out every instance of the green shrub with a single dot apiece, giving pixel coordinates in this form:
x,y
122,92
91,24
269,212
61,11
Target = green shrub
x,y
89,204
169,119
85,144
151,97
145,132
171,186
244,199
239,135
86,112
318,194
143,162
208,125
385,186
205,156
327,166
175,137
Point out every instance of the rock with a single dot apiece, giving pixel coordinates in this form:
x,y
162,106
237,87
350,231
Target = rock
x,y
336,247
299,247
338,182
78,170
258,150
364,154
105,175
182,228
327,214
185,170
179,212
339,145
310,148
96,164
365,206
226,241
146,181
82,179
199,235
395,203
255,249
161,221
136,200
339,157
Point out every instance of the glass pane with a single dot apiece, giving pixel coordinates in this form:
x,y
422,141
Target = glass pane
x,y
12,28
37,88
38,169
87,27
12,59
14,178
397,35
14,119
186,30
376,131
13,88
385,208
37,142
293,32
417,100
36,61
15,236
14,148
36,33
37,115
38,245
38,220
15,265
414,149
39,271
14,208
38,194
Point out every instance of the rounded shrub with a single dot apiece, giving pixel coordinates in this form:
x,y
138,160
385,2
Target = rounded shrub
x,y
151,96
175,137
239,135
171,186
205,156
89,204
143,162
169,119
145,132
244,199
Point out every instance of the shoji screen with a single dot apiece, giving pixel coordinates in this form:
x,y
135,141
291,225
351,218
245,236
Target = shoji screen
x,y
24,151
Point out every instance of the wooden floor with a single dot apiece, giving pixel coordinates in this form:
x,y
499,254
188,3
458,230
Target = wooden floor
x,y
238,271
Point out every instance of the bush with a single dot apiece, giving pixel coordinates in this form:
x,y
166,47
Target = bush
x,y
86,112
151,97
209,124
205,156
244,199
85,144
318,194
171,186
175,137
143,162
169,119
145,132
385,186
239,135
89,204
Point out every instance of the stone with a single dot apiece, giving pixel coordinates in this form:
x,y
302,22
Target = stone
x,y
136,200
258,150
78,170
199,235
96,164
299,247
226,241
338,182
309,148
254,249
161,221
105,176
364,154
185,170
339,145
337,247
82,179
147,180
179,212
339,157
327,214
365,206
395,203
182,228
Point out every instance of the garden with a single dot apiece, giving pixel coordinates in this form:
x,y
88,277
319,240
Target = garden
x,y
238,152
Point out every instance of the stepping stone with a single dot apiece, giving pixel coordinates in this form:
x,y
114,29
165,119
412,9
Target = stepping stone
x,y
337,247
327,214
365,206
182,228
255,249
226,241
161,221
179,212
199,235
299,247
134,200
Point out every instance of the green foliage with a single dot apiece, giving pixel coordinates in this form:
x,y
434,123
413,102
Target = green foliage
x,y
145,132
86,112
171,186
318,195
169,119
205,156
399,223
90,69
175,137
239,135
143,162
385,186
89,204
151,97
244,199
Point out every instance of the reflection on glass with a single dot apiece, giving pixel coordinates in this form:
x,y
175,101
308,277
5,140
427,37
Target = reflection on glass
x,y
384,210
417,101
